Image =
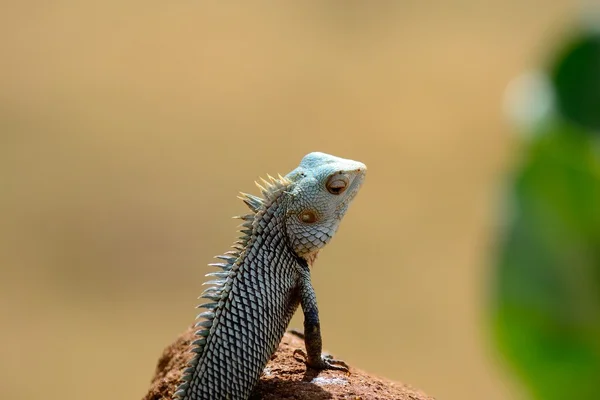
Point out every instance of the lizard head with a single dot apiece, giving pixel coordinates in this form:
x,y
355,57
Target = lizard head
x,y
321,190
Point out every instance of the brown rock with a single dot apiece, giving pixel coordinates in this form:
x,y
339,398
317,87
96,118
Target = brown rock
x,y
285,378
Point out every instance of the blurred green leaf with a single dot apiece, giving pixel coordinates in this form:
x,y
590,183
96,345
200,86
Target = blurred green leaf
x,y
547,299
576,78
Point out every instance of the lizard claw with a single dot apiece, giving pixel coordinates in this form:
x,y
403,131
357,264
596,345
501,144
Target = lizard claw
x,y
326,361
332,363
301,353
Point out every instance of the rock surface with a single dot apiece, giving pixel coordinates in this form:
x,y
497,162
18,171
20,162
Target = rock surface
x,y
285,378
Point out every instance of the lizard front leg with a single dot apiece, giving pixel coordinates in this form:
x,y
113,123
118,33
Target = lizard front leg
x,y
312,330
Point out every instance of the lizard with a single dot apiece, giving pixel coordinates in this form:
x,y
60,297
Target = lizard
x,y
263,280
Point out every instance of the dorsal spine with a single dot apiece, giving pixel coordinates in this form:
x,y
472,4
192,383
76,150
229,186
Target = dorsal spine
x,y
219,288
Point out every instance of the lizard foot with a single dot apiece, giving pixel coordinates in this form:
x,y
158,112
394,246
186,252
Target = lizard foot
x,y
326,361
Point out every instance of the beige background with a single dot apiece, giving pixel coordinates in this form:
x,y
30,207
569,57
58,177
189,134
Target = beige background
x,y
128,127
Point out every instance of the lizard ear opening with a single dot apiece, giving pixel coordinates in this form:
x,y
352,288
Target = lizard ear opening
x,y
308,217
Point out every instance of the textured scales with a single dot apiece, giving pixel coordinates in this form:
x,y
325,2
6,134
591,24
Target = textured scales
x,y
264,279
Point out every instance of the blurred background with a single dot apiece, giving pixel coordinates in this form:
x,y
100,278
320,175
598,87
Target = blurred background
x,y
127,129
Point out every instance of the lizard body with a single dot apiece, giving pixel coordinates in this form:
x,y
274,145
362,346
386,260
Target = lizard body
x,y
266,277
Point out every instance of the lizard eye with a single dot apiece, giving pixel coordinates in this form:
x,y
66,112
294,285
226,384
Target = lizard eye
x,y
337,183
308,217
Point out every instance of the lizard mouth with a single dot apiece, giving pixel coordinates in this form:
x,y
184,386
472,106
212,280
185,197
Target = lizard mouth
x,y
357,182
358,176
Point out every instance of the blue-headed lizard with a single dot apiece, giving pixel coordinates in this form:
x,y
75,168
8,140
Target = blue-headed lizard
x,y
266,276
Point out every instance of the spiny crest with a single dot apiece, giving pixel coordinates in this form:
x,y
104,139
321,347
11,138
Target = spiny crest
x,y
269,189
220,287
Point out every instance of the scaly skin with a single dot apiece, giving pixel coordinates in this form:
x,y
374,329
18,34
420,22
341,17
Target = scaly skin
x,y
267,276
